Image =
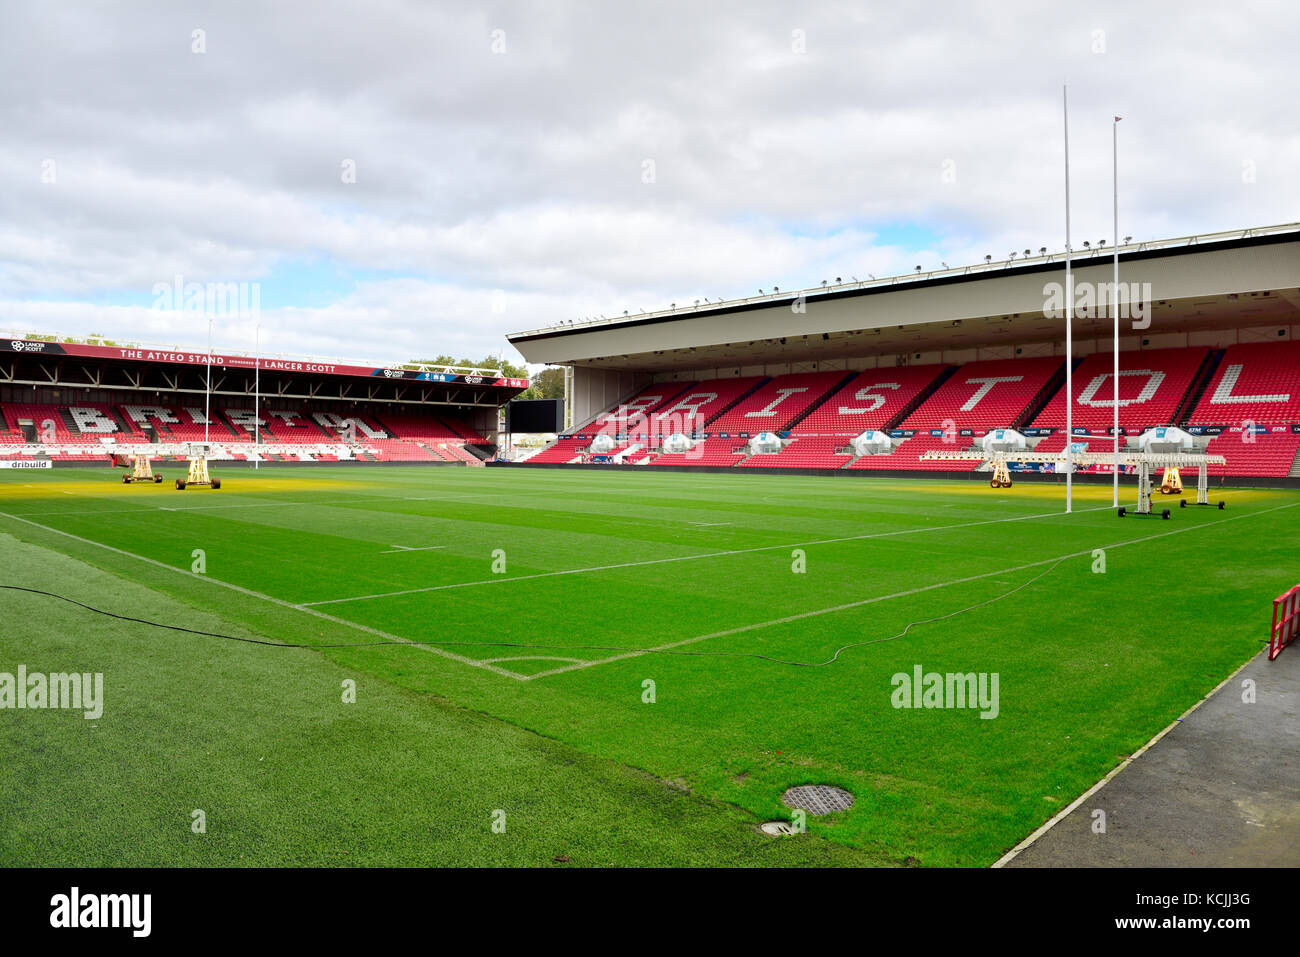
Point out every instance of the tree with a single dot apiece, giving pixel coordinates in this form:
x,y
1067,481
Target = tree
x,y
508,369
549,384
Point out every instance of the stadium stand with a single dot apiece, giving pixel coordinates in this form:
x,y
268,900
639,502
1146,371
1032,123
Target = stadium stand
x,y
695,407
776,403
1259,382
907,455
441,428
990,394
81,430
1152,385
563,450
805,452
1268,455
711,451
277,426
870,400
630,415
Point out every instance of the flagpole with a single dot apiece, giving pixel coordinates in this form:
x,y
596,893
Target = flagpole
x,y
1114,292
1069,313
257,395
207,390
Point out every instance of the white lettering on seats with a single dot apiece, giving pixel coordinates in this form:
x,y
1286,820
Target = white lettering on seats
x,y
865,394
1223,394
986,386
336,423
245,419
1154,379
197,416
781,397
285,417
691,404
625,412
143,413
92,420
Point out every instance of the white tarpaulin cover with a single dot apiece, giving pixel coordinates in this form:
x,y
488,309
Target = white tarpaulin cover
x,y
1166,438
872,442
602,444
678,442
765,442
1004,440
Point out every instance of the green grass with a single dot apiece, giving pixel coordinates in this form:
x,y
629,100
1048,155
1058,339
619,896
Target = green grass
x,y
1090,665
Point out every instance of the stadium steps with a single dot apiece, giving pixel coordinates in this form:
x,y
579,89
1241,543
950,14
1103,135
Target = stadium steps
x,y
311,423
916,402
217,417
848,377
1200,382
160,428
1044,396
451,427
735,402
124,424
1295,466
383,426
580,427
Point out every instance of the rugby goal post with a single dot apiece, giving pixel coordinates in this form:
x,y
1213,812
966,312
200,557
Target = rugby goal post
x,y
1286,621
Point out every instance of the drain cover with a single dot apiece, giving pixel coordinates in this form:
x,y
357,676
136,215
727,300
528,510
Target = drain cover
x,y
818,798
779,828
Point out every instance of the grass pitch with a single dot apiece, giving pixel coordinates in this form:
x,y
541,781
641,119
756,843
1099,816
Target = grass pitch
x,y
543,593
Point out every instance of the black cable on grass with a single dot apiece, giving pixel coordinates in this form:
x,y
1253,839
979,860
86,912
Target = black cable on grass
x,y
519,644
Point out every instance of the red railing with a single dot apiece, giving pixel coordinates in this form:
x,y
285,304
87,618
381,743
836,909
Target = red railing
x,y
1286,621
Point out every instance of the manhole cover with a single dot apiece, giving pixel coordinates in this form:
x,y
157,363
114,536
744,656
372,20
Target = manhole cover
x,y
818,798
779,828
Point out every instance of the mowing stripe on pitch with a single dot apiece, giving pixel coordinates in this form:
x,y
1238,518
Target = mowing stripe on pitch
x,y
900,594
690,558
472,662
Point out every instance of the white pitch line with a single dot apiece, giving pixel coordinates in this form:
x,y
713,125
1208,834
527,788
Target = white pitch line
x,y
689,558
901,594
709,524
1106,779
406,548
362,500
275,601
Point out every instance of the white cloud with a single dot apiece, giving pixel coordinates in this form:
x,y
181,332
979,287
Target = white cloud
x,y
523,171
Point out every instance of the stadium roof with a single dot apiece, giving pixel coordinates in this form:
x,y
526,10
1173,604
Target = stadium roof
x,y
33,344
1203,281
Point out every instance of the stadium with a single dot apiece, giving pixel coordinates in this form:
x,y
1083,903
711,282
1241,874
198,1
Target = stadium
x,y
701,448
511,438
935,361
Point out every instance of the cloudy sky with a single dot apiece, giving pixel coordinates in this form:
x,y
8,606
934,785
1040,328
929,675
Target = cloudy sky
x,y
404,179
